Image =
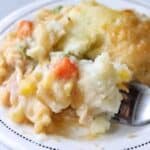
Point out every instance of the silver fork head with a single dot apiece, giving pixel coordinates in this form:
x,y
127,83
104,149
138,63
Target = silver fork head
x,y
141,110
135,108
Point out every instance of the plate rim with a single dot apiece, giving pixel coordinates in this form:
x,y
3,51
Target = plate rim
x,y
31,141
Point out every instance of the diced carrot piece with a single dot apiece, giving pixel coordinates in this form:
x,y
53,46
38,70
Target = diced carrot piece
x,y
65,69
25,29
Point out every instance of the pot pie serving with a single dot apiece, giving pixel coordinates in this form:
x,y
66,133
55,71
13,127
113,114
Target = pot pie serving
x,y
70,63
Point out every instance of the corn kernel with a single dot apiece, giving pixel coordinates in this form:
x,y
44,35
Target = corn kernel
x,y
27,87
124,75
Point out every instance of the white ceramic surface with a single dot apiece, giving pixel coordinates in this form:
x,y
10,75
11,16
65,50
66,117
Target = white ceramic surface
x,y
22,138
7,6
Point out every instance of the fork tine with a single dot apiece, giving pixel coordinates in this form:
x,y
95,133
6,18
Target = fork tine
x,y
135,107
141,112
127,104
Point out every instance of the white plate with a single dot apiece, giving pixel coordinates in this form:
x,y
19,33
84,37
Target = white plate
x,y
21,137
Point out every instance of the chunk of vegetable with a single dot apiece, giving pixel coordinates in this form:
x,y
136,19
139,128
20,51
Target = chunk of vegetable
x,y
27,87
65,69
25,29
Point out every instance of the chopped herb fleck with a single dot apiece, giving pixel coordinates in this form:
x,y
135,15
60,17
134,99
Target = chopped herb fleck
x,y
57,9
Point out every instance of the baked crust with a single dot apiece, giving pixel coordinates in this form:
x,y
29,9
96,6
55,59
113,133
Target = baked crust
x,y
130,44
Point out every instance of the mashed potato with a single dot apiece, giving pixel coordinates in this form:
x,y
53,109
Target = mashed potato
x,y
98,84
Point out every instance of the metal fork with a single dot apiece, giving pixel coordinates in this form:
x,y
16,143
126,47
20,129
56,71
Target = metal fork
x,y
135,108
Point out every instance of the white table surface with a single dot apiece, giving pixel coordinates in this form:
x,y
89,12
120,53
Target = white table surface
x,y
8,6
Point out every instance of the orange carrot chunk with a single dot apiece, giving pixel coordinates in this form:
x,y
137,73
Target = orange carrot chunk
x,y
65,69
25,29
